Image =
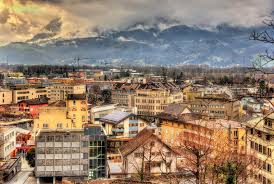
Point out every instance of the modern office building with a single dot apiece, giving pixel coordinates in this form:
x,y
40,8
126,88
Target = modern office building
x,y
62,153
97,151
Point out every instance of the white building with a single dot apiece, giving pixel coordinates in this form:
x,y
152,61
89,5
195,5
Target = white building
x,y
147,150
7,142
122,124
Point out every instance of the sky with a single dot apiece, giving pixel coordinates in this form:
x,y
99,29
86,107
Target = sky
x,y
20,20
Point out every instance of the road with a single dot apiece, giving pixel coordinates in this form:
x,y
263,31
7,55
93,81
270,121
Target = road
x,y
23,175
20,177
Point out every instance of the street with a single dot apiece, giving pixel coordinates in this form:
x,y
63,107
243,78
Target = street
x,y
23,175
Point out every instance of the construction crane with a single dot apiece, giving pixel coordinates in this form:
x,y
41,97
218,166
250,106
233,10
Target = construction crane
x,y
75,61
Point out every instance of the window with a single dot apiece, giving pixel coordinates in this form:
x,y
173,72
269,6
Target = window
x,y
268,137
45,125
137,155
59,125
269,152
269,168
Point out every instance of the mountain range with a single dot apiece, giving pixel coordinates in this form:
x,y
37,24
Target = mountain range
x,y
223,46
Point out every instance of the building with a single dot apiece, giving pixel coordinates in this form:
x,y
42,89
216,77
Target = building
x,y
97,112
190,125
62,153
122,124
20,93
63,115
97,151
9,168
77,108
216,107
5,96
191,92
147,153
260,145
54,116
7,143
60,91
152,98
31,107
124,94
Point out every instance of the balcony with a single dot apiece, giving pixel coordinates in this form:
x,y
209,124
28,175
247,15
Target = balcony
x,y
134,128
118,130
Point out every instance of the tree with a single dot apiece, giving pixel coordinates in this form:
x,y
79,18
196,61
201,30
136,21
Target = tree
x,y
209,157
164,74
266,36
106,96
31,157
105,77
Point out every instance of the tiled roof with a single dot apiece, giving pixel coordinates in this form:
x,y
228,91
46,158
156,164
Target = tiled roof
x,y
175,109
59,103
139,140
36,101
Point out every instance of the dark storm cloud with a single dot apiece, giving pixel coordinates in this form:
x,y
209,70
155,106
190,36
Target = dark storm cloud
x,y
83,16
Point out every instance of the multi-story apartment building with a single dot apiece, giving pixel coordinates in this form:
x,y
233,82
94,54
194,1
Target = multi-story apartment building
x,y
77,109
216,107
63,115
97,151
260,145
5,96
190,125
122,124
54,116
26,93
61,91
124,94
7,143
62,153
152,98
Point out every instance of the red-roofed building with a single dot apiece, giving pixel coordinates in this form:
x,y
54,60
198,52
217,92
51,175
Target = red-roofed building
x,y
31,107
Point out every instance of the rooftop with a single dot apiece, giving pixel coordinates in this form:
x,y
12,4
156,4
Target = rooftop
x,y
59,103
36,101
115,117
76,97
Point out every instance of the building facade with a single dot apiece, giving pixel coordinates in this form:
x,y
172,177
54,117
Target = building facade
x,y
152,98
8,143
148,154
97,151
5,96
62,153
25,93
260,145
216,107
60,91
122,124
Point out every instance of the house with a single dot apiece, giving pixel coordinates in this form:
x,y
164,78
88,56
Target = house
x,y
31,107
149,151
122,124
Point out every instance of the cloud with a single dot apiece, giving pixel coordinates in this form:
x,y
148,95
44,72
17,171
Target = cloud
x,y
25,18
